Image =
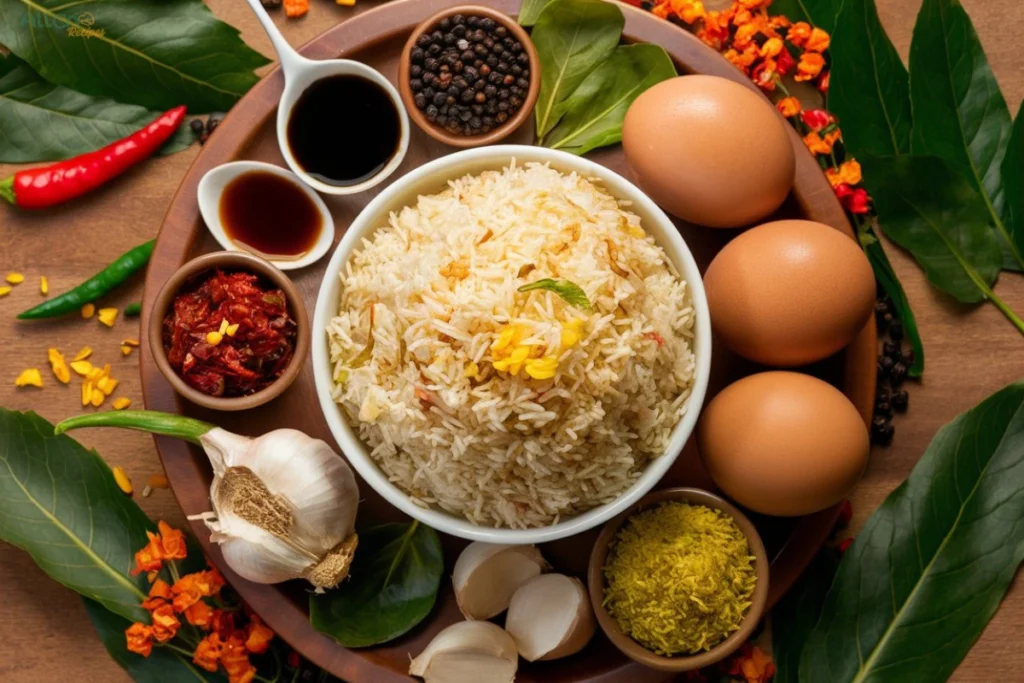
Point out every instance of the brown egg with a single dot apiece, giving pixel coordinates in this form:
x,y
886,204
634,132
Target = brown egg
x,y
789,292
783,443
709,150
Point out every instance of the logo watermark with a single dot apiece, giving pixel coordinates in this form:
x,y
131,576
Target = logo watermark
x,y
78,27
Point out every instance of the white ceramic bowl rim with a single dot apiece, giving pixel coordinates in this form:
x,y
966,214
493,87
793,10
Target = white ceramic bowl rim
x,y
436,173
209,207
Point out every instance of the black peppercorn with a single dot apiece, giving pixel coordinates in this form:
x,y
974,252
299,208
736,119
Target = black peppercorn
x,y
475,122
523,58
423,41
449,39
465,115
908,357
473,22
882,434
431,64
517,70
197,126
487,24
501,117
467,95
415,71
897,374
431,112
501,31
439,99
271,4
503,106
896,330
429,92
900,400
491,61
883,408
420,100
434,50
516,102
445,24
890,348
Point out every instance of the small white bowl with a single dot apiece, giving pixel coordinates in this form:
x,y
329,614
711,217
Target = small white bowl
x,y
431,178
211,188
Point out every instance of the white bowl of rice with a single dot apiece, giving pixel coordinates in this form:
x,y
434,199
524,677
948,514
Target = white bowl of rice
x,y
501,415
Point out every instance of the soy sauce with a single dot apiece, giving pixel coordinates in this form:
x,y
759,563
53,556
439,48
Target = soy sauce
x,y
269,215
343,130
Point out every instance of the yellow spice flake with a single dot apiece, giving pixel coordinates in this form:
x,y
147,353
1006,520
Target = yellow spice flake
x,y
83,354
15,278
88,310
214,338
107,316
130,342
81,367
97,398
86,392
231,330
158,481
126,350
58,365
122,480
680,578
44,285
346,3
29,378
224,325
121,403
4,291
472,371
107,385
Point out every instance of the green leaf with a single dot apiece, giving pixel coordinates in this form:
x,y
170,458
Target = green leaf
x,y
820,13
934,213
959,113
157,54
391,588
868,89
886,276
1013,183
595,110
40,121
163,665
570,292
929,568
59,503
793,619
530,11
572,38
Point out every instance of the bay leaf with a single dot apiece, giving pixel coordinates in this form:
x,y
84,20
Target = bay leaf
x,y
960,114
530,11
156,54
572,38
59,503
794,617
820,13
595,110
935,214
391,587
929,568
40,121
869,89
1013,183
886,277
163,665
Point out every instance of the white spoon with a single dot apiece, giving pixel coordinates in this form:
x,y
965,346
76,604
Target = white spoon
x,y
299,74
211,188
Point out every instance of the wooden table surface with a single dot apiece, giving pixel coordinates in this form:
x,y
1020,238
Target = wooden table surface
x,y
45,634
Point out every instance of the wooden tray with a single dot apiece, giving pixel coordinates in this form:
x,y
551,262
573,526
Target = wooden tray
x,y
376,37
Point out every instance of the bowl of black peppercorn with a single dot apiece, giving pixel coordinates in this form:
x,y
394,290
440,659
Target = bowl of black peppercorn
x,y
469,76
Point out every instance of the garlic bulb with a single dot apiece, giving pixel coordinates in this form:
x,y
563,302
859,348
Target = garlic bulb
x,y
284,504
468,652
486,575
550,617
284,507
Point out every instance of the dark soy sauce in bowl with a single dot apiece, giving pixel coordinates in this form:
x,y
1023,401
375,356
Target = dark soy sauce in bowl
x,y
343,130
270,215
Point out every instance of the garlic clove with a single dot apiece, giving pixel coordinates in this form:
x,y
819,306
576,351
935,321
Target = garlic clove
x,y
468,652
550,617
486,575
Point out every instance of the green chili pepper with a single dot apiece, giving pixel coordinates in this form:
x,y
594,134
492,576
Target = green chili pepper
x,y
107,279
133,310
152,421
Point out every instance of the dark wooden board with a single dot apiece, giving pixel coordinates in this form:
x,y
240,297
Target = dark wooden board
x,y
376,37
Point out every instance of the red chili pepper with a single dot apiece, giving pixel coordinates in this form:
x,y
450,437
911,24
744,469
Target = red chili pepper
x,y
817,119
37,188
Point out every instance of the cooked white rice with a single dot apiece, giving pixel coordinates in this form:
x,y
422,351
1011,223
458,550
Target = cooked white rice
x,y
441,280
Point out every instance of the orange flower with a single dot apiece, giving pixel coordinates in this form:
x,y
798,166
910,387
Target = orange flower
x,y
223,623
764,74
745,35
714,30
165,624
235,660
816,145
258,636
159,594
139,638
149,558
189,589
772,47
208,652
848,172
662,10
172,541
799,33
687,10
200,614
757,667
778,22
810,65
788,106
754,4
818,41
742,60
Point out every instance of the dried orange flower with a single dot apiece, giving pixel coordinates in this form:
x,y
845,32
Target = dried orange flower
x,y
772,47
809,66
173,542
149,558
139,638
799,33
258,635
191,588
159,594
788,106
688,10
208,652
757,667
818,41
816,145
848,172
199,614
235,660
165,624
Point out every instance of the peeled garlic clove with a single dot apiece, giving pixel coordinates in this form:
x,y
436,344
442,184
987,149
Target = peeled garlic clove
x,y
550,617
468,652
486,575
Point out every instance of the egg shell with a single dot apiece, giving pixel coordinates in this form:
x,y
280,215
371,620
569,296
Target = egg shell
x,y
709,150
789,292
783,443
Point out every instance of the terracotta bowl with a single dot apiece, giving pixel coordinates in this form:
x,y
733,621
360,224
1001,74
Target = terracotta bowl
x,y
637,652
229,260
495,134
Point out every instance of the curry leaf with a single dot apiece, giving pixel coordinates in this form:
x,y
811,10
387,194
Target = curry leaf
x,y
570,292
793,619
40,121
959,113
869,90
163,665
820,13
926,573
391,587
530,11
572,38
157,54
59,503
595,110
886,277
1013,183
934,213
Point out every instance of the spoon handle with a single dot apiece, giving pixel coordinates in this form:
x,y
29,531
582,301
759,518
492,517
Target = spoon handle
x,y
291,60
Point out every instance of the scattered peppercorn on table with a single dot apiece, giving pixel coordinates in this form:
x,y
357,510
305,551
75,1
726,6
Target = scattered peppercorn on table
x,y
45,253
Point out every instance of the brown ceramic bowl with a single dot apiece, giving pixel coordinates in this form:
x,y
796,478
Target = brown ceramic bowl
x,y
231,261
637,652
495,134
